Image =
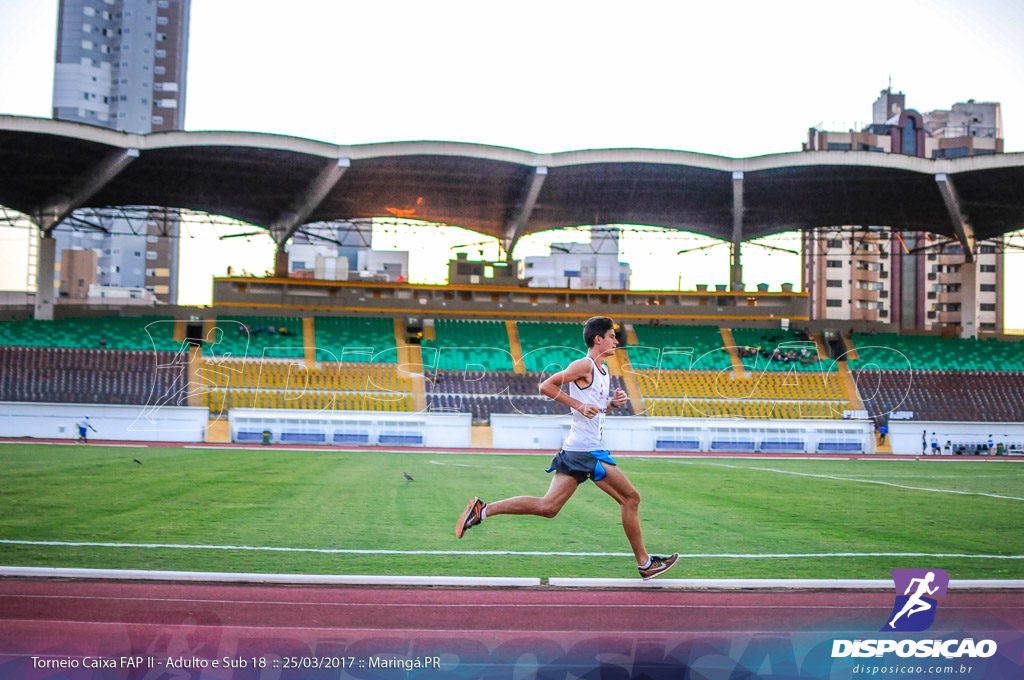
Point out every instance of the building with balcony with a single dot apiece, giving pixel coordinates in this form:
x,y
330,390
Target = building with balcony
x,y
122,64
918,281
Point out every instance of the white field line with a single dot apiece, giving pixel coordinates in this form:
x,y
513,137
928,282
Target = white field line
x,y
852,479
899,476
489,467
528,553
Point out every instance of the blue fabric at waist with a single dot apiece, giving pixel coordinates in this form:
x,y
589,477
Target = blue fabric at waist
x,y
601,455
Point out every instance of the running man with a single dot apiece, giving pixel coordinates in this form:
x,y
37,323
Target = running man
x,y
915,604
83,433
583,455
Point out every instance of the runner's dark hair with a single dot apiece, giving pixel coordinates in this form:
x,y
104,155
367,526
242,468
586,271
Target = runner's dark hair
x,y
596,326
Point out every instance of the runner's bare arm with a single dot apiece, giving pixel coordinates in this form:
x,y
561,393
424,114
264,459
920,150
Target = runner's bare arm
x,y
619,398
551,388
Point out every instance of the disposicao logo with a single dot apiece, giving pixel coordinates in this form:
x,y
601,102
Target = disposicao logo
x,y
914,609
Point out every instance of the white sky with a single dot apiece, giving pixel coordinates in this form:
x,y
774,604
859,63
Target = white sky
x,y
729,78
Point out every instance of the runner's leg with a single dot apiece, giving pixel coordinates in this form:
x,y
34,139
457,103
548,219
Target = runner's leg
x,y
618,486
562,488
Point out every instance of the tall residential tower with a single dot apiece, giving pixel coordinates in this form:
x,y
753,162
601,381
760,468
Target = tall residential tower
x,y
917,280
122,64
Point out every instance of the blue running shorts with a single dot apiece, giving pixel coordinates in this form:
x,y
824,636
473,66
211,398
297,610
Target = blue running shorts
x,y
581,465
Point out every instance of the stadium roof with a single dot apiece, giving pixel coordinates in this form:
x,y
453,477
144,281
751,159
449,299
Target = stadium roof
x,y
48,168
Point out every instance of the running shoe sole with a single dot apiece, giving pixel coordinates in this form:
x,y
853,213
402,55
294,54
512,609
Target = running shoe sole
x,y
670,561
460,527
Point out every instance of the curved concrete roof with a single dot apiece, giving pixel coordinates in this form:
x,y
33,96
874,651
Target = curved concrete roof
x,y
51,167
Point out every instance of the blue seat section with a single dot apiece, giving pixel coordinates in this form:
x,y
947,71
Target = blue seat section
x,y
250,435
407,439
786,445
732,445
678,444
352,437
831,446
303,436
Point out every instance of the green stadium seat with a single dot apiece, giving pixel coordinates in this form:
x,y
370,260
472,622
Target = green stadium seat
x,y
138,333
679,348
550,347
890,351
349,338
460,344
257,342
771,338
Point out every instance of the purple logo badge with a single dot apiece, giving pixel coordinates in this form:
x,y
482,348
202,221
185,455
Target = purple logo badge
x,y
916,590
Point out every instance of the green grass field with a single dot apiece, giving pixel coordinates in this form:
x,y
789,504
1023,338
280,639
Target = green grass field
x,y
330,500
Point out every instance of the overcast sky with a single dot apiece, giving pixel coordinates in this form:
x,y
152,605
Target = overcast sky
x,y
727,78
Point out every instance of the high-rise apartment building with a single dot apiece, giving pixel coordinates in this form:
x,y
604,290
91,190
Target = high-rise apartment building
x,y
122,64
918,281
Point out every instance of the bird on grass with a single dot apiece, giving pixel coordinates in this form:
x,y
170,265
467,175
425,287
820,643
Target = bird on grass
x,y
408,476
136,461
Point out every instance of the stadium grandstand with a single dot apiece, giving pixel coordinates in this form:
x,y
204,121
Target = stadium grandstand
x,y
368,361
673,374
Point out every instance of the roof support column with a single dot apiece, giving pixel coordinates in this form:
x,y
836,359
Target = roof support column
x,y
44,276
735,265
969,299
964,231
84,187
516,224
301,207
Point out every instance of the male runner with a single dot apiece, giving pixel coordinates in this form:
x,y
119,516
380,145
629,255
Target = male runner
x,y
583,455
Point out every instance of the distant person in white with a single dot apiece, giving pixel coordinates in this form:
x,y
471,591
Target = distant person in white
x,y
915,604
83,430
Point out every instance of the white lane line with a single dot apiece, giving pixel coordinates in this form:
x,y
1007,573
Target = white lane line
x,y
480,605
969,477
529,553
851,479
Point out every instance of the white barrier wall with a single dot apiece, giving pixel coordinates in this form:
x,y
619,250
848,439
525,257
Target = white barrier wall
x,y
114,422
692,434
906,435
351,428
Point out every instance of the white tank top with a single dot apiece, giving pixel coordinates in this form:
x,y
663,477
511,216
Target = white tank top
x,y
587,434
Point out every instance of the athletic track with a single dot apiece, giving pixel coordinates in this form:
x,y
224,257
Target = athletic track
x,y
475,632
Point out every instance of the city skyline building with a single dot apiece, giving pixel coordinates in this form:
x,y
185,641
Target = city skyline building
x,y
918,281
122,64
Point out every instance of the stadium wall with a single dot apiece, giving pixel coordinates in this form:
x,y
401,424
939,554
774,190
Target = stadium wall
x,y
351,428
905,436
696,435
112,422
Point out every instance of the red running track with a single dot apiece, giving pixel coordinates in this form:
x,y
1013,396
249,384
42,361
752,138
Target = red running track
x,y
467,628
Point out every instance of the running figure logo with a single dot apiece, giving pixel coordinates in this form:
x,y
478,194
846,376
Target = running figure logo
x,y
914,610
